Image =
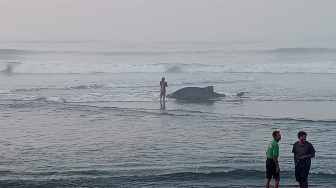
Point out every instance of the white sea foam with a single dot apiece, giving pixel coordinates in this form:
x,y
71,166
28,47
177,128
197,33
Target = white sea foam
x,y
3,66
3,91
53,99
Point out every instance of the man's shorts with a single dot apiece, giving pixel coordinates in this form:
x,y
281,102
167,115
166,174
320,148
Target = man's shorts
x,y
271,170
301,173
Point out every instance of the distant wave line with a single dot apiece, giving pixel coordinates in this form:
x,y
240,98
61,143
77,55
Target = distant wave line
x,y
298,50
283,50
96,67
110,53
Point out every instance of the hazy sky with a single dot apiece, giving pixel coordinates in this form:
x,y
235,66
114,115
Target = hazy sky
x,y
164,20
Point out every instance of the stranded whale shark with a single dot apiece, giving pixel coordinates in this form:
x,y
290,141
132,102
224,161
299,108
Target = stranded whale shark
x,y
196,94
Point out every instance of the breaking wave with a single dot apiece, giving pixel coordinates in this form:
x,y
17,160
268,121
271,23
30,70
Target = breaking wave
x,y
93,67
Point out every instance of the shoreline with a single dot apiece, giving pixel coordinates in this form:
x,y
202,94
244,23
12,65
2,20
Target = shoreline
x,y
300,110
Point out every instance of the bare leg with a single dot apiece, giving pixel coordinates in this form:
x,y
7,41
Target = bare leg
x,y
304,184
267,182
164,97
276,183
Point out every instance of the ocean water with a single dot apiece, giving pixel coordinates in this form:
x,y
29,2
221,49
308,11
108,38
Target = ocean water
x,y
87,113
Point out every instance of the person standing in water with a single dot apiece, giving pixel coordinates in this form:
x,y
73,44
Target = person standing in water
x,y
272,164
163,86
303,152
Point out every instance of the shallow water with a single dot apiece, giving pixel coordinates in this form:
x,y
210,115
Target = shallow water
x,y
108,129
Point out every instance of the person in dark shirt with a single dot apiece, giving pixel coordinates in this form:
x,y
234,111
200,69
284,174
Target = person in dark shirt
x,y
163,86
303,152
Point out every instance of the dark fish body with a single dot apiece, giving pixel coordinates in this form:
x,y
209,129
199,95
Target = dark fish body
x,y
196,94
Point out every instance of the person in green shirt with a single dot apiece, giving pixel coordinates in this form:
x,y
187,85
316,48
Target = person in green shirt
x,y
272,165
